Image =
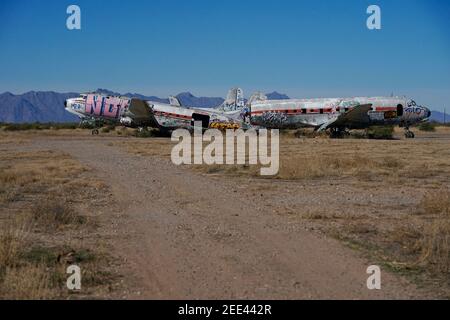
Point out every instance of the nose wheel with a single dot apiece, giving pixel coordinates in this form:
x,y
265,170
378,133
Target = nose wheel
x,y
409,134
94,132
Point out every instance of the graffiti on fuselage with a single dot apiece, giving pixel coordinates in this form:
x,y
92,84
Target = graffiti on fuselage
x,y
109,107
223,125
273,118
416,110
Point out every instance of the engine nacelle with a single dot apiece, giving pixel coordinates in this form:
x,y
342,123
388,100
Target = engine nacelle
x,y
126,121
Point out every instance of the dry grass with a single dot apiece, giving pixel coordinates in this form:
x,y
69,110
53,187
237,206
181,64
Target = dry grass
x,y
147,147
29,282
53,214
22,171
435,202
39,195
304,159
435,239
13,239
310,159
18,279
318,166
415,243
435,245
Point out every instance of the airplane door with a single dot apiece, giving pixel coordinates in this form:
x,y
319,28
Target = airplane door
x,y
399,110
200,117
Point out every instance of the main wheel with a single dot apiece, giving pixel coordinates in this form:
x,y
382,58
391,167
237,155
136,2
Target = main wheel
x,y
94,132
409,135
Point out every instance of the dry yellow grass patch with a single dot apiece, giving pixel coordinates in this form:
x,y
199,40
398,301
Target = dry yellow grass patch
x,y
436,202
300,159
13,238
363,159
317,166
18,279
434,241
39,191
53,214
435,245
147,147
27,282
26,173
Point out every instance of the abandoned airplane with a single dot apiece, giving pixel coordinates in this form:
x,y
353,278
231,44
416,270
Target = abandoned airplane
x,y
335,115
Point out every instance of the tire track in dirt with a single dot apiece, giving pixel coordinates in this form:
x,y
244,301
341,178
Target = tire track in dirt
x,y
189,236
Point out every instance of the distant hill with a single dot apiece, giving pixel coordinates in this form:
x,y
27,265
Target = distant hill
x,y
42,106
48,106
132,95
276,96
188,99
439,116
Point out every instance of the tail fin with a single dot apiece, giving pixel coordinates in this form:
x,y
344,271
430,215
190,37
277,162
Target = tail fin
x,y
174,101
234,101
257,96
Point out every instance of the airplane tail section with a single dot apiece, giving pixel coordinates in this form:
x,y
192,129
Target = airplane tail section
x,y
174,101
257,96
234,101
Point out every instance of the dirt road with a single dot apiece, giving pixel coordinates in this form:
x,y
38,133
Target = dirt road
x,y
184,235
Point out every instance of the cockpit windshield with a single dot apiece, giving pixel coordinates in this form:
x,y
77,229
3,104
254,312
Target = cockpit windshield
x,y
412,103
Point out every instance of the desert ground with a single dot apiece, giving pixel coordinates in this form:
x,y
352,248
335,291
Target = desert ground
x,y
140,227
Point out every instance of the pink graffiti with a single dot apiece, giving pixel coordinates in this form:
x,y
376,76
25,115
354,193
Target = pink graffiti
x,y
108,107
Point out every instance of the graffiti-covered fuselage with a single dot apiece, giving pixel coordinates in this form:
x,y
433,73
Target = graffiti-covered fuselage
x,y
173,117
294,113
127,111
135,112
322,113
98,106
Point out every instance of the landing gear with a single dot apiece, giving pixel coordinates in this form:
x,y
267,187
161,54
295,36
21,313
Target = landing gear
x,y
338,133
94,132
409,134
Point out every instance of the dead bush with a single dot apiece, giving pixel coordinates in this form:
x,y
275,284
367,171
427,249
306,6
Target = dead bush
x,y
55,213
435,244
435,202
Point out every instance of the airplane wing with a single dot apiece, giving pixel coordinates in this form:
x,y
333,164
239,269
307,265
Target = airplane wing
x,y
138,113
357,116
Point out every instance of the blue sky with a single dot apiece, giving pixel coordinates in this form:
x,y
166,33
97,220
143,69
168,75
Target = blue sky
x,y
304,48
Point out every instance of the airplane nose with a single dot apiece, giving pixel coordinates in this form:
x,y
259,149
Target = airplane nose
x,y
427,112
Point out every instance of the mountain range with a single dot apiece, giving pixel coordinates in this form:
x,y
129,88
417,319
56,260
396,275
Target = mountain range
x,y
48,106
438,116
